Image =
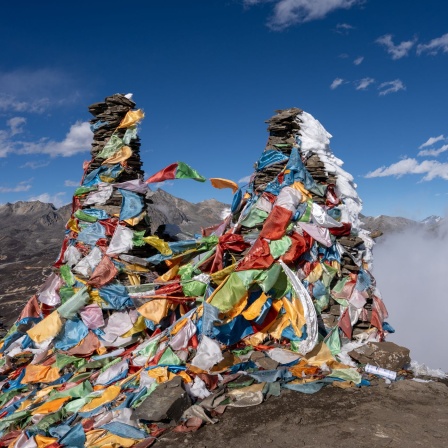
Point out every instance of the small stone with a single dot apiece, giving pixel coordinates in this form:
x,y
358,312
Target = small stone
x,y
266,363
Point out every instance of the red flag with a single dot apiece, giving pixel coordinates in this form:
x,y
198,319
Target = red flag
x,y
167,173
275,225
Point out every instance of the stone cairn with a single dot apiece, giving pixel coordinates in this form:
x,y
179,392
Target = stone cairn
x,y
131,333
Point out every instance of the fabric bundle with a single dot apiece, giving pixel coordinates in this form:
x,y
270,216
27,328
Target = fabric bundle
x,y
274,297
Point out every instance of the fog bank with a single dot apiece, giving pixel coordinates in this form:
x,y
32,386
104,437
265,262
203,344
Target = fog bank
x,y
411,270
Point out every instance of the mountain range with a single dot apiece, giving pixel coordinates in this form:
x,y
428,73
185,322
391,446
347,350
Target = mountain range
x,y
31,235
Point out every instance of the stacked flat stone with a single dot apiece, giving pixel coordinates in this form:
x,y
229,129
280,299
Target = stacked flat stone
x,y
131,331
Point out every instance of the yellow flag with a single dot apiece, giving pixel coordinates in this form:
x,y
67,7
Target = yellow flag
x,y
35,373
120,156
219,276
300,187
139,326
72,225
315,274
161,374
294,311
254,310
159,244
169,275
108,395
154,310
131,118
50,406
47,328
319,355
43,441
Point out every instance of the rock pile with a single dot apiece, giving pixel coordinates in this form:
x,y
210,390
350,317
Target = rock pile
x,y
132,331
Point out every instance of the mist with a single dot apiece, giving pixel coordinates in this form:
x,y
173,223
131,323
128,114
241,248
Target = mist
x,y
411,271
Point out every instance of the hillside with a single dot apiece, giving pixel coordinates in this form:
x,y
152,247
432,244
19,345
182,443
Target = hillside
x,y
32,233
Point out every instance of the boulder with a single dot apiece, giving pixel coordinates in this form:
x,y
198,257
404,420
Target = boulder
x,y
387,355
168,402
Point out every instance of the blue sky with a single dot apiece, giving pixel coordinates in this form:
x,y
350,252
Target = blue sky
x,y
207,73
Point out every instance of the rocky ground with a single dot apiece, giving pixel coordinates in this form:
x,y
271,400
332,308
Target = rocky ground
x,y
405,413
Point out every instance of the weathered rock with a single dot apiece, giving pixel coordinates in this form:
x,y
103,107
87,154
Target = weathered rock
x,y
266,363
168,402
255,356
387,355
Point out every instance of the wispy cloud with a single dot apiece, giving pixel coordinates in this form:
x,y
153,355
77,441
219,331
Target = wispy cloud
x,y
71,183
245,180
391,87
344,28
396,51
336,83
25,185
35,164
431,141
364,83
433,152
10,103
35,91
434,46
16,125
292,12
6,145
56,199
164,184
430,168
359,60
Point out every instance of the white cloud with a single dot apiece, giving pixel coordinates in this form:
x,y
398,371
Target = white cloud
x,y
430,168
291,12
21,186
396,51
431,141
336,83
433,152
35,164
391,87
434,46
57,199
359,60
344,28
16,125
245,180
364,83
71,183
77,140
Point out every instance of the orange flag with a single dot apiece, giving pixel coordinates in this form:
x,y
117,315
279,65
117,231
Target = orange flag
x,y
218,182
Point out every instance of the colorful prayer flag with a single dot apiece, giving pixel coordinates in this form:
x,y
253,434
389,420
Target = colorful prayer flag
x,y
178,170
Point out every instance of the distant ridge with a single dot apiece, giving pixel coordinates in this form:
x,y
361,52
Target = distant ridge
x,y
31,235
